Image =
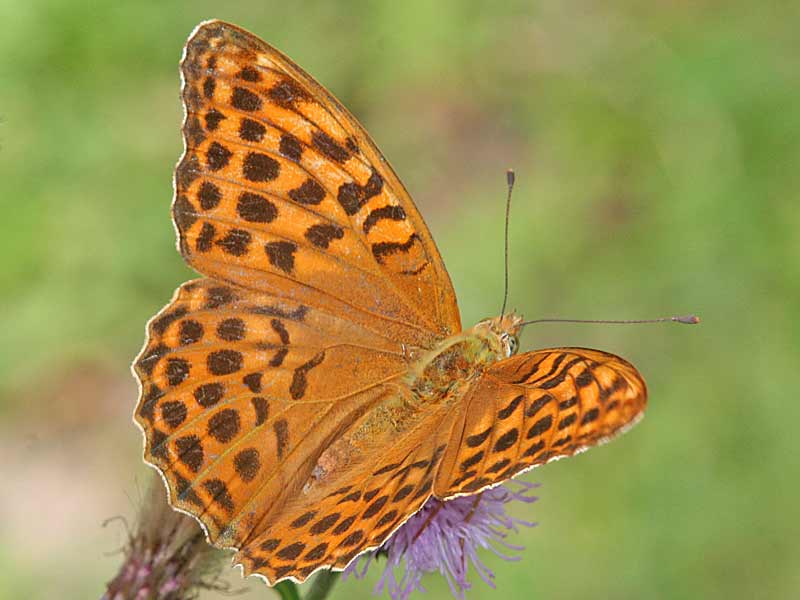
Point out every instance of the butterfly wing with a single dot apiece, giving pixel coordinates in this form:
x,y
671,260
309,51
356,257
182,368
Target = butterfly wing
x,y
274,386
269,421
281,190
536,407
357,508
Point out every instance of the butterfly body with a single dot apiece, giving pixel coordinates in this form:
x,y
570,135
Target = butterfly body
x,y
315,388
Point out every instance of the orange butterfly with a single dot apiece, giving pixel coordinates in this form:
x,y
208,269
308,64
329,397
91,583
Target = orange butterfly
x,y
315,388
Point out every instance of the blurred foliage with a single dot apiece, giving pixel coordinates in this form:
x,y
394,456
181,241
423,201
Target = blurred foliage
x,y
657,148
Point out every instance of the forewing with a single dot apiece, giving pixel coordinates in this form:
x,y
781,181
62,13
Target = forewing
x,y
280,182
536,407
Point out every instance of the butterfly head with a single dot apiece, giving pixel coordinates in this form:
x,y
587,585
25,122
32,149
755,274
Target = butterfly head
x,y
502,333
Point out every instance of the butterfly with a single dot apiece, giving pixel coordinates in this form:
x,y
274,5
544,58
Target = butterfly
x,y
315,387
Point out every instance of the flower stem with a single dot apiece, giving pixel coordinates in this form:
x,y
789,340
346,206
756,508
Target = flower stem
x,y
287,590
322,585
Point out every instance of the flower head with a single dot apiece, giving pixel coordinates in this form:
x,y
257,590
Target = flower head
x,y
445,536
166,556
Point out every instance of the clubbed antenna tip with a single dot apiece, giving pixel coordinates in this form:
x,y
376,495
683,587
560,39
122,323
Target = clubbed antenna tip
x,y
687,319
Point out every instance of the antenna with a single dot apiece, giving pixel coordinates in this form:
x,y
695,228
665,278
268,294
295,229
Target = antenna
x,y
510,178
685,319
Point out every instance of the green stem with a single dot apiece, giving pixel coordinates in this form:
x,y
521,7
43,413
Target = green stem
x,y
287,590
322,585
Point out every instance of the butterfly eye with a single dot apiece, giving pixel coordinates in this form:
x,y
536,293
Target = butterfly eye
x,y
509,342
512,345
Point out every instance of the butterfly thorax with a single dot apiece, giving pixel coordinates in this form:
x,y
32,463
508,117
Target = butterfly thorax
x,y
457,360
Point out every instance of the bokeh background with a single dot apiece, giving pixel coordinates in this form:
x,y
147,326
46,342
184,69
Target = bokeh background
x,y
657,149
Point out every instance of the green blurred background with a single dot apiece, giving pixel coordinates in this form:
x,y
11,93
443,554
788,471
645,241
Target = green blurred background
x,y
657,150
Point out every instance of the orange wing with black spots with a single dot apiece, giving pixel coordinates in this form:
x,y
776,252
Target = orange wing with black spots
x,y
272,385
255,408
535,407
358,509
281,190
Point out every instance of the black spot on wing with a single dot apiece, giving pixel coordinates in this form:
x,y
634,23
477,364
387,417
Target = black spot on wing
x,y
250,74
251,131
244,99
567,421
285,93
297,314
506,441
352,196
473,441
255,208
259,167
281,429
509,409
213,119
591,415
290,147
540,427
310,192
281,255
383,249
217,156
235,242
279,328
300,376
322,234
161,324
329,147
393,213
209,195
537,405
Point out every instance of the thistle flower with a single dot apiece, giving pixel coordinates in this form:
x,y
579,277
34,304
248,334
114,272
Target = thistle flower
x,y
166,556
445,536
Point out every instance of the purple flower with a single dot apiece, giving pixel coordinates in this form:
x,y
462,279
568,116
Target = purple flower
x,y
444,536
